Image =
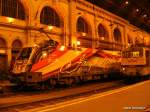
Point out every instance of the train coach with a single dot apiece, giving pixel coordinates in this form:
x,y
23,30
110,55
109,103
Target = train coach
x,y
135,61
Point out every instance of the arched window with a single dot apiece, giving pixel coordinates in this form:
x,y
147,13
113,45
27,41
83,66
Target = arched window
x,y
117,35
12,8
102,32
83,29
16,47
82,26
49,17
17,44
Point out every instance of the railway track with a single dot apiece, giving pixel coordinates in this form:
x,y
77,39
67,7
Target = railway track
x,y
25,102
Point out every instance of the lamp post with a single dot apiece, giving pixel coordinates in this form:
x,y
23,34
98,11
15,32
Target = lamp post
x,y
49,28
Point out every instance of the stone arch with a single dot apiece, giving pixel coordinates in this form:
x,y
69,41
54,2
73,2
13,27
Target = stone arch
x,y
102,32
82,25
16,47
17,44
3,56
57,30
49,16
48,4
27,6
13,8
117,35
84,32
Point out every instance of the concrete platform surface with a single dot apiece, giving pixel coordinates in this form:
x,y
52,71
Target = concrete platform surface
x,y
134,98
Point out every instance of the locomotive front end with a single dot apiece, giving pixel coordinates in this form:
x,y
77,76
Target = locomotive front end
x,y
22,62
22,68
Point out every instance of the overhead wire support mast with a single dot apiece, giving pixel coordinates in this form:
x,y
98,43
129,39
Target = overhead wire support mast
x,y
41,30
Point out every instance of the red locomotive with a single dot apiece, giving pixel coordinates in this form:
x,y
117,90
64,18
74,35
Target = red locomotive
x,y
49,63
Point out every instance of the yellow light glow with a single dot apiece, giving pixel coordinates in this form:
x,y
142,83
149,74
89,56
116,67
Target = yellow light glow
x,y
126,2
10,20
44,54
123,69
137,10
83,34
78,43
136,54
50,27
2,51
35,45
62,48
145,15
102,38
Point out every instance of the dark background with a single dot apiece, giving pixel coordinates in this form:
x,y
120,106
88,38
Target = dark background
x,y
137,12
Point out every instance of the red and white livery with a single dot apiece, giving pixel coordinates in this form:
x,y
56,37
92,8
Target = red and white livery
x,y
48,62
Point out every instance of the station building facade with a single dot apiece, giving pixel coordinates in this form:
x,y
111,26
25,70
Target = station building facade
x,y
24,23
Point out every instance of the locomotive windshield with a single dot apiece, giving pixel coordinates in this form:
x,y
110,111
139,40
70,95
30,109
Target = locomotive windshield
x,y
25,53
43,48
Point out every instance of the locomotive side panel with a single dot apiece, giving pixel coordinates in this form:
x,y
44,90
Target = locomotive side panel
x,y
136,61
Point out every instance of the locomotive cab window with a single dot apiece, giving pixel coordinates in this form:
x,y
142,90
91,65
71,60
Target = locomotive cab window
x,y
136,54
132,54
42,55
25,53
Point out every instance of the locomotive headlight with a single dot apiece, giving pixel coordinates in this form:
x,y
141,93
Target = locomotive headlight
x,y
44,54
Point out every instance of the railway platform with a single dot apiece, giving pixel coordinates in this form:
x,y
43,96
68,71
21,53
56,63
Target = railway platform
x,y
29,97
133,98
